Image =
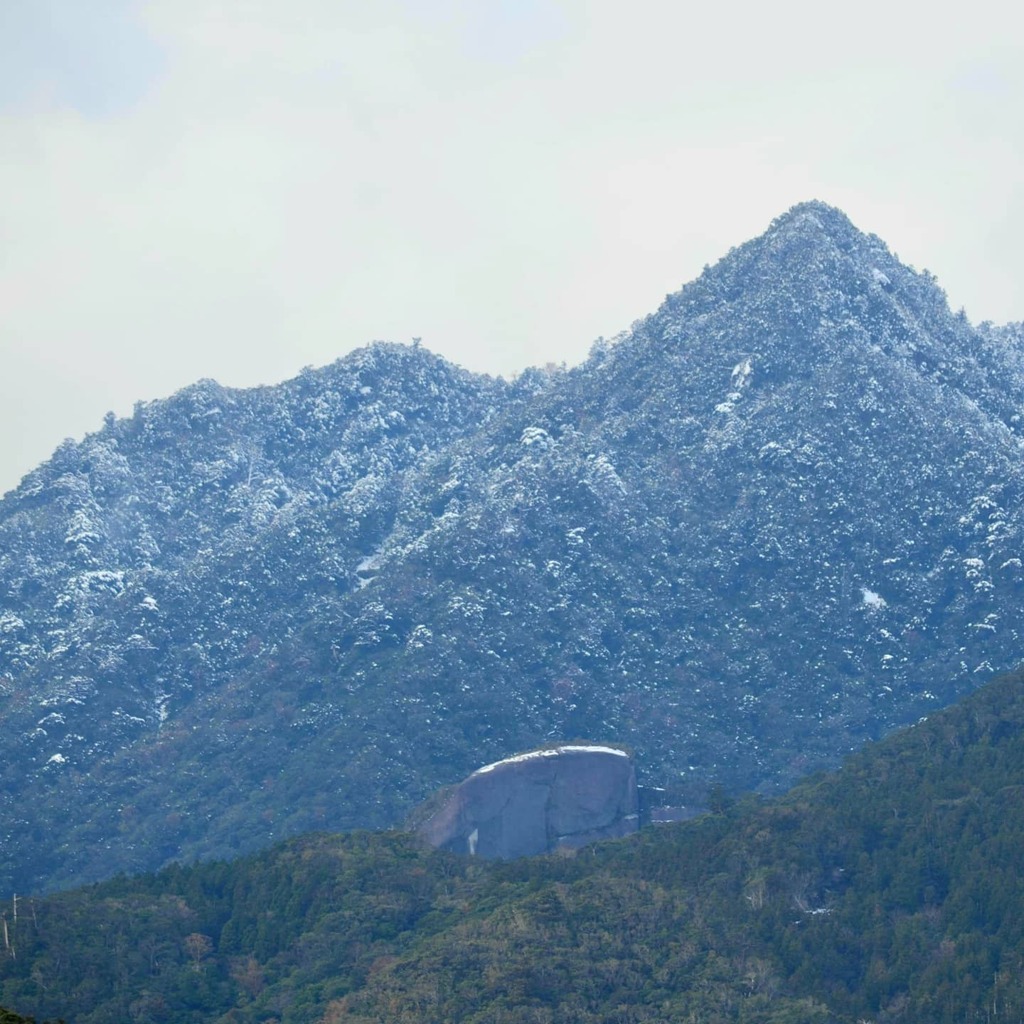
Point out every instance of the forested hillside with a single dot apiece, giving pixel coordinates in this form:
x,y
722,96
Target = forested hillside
x,y
777,518
887,892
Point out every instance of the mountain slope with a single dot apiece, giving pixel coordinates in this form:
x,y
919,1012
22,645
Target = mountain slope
x,y
761,519
778,517
887,891
145,567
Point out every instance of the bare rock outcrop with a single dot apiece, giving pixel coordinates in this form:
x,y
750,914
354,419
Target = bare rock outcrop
x,y
561,798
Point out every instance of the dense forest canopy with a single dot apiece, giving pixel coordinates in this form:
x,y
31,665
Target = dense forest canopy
x,y
888,891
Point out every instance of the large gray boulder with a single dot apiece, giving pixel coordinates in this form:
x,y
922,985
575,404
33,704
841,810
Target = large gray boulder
x,y
561,798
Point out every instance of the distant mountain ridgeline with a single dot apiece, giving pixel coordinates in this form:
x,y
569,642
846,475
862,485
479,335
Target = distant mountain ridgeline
x,y
777,518
888,892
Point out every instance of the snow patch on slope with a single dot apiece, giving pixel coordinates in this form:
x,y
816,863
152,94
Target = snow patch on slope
x,y
738,380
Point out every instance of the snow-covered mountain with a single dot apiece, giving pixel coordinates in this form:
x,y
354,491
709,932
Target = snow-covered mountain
x,y
777,517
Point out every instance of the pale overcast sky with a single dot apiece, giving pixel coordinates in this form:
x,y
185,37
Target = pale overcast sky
x,y
239,188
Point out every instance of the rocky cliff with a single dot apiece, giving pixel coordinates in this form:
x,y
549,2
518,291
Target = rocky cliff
x,y
538,802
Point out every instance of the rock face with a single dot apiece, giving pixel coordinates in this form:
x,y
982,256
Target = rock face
x,y
534,803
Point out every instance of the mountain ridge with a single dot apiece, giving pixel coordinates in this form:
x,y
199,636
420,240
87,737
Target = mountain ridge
x,y
778,517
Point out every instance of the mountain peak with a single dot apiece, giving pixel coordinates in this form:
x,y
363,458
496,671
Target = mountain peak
x,y
807,258
815,218
814,208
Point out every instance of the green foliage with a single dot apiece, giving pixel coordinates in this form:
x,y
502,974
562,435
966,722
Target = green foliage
x,y
886,892
10,1017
